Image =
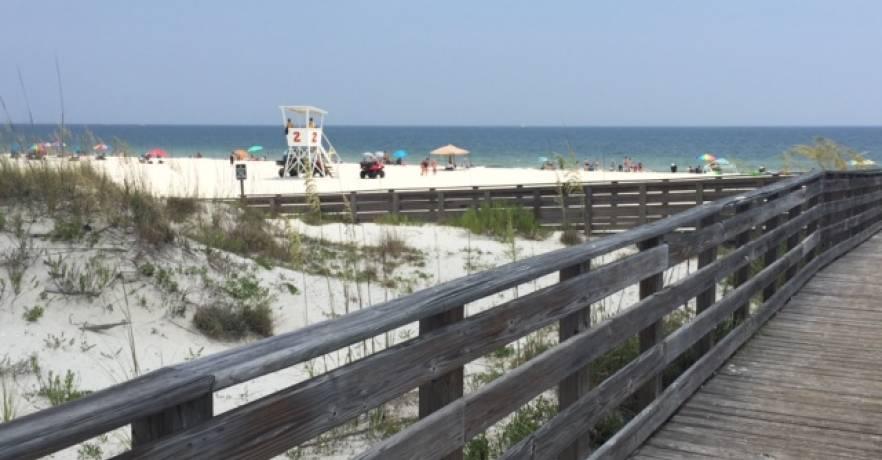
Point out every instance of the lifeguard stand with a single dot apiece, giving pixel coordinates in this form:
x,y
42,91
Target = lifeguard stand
x,y
309,150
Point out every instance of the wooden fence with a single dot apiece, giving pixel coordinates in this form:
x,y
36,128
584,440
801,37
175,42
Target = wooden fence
x,y
611,207
775,238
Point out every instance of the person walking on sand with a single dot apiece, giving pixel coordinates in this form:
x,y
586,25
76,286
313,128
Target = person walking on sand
x,y
424,167
434,167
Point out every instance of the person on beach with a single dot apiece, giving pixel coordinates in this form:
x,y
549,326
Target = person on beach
x,y
311,123
424,167
232,157
289,126
434,166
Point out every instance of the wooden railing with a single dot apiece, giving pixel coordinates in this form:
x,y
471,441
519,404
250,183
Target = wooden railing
x,y
767,242
611,206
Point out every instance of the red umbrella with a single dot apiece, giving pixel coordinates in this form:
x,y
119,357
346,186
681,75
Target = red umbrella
x,y
157,153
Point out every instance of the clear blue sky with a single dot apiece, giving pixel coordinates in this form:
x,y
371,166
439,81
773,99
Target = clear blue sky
x,y
650,62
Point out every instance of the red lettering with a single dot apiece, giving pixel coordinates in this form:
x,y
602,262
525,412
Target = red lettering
x,y
296,136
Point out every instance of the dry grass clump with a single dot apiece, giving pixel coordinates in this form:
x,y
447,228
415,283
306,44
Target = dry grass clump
x,y
181,208
77,194
240,306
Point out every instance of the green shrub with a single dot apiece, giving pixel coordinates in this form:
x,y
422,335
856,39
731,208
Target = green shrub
x,y
147,269
68,229
500,220
181,208
249,235
241,306
59,391
32,314
571,237
89,279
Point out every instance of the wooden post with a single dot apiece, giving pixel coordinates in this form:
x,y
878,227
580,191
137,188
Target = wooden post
x,y
641,211
564,218
445,388
353,206
613,205
440,216
274,204
706,298
666,184
742,274
771,255
586,215
433,203
172,420
570,389
393,201
792,242
537,206
475,197
651,335
519,195
699,193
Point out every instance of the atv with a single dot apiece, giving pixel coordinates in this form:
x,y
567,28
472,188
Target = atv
x,y
372,169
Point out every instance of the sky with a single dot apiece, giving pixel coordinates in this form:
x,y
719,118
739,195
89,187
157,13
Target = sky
x,y
397,62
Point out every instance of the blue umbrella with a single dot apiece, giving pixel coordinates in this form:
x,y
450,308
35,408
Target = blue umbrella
x,y
400,154
255,148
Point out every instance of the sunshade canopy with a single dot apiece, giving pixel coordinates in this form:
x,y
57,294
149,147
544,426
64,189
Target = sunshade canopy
x,y
450,149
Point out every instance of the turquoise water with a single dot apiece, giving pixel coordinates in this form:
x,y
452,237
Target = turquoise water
x,y
657,148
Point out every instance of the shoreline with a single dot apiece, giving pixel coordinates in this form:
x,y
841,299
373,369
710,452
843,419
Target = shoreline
x,y
215,178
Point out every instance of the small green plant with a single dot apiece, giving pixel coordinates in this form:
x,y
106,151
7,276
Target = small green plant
x,y
180,209
499,219
398,219
68,228
571,237
90,451
60,390
241,305
8,400
33,314
88,280
147,269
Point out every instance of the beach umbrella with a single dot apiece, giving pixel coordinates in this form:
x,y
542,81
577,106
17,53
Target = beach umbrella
x,y
707,157
450,150
37,148
241,155
400,154
722,161
255,148
101,148
157,153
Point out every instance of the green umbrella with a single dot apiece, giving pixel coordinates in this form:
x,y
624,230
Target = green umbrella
x,y
255,148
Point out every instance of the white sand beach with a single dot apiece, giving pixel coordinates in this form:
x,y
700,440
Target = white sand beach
x,y
213,178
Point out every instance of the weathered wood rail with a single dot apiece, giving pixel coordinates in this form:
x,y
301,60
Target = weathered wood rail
x,y
767,243
611,206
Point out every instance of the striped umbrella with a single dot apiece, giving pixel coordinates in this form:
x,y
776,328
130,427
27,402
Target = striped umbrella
x,y
707,157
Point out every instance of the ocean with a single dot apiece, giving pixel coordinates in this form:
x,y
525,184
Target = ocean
x,y
656,148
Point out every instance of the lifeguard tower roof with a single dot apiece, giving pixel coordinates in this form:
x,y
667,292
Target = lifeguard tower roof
x,y
302,109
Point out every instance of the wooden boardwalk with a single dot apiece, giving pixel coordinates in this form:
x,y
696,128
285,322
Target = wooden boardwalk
x,y
808,385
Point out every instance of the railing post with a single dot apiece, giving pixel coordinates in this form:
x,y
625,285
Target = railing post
x,y
699,193
651,335
564,218
665,202
353,206
441,213
742,274
771,255
172,420
274,204
445,388
613,205
393,201
588,200
537,206
433,203
792,242
577,384
475,203
706,298
641,211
